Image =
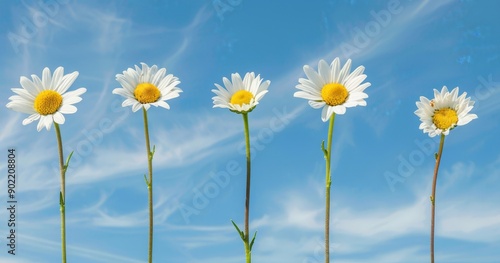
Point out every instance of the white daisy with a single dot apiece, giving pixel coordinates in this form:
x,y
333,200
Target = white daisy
x,y
46,99
240,96
444,112
333,88
147,86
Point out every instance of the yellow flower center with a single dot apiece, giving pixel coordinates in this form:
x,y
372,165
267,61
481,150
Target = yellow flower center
x,y
241,97
146,93
445,118
334,94
47,102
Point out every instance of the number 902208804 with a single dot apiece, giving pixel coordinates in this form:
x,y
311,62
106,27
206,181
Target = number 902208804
x,y
11,173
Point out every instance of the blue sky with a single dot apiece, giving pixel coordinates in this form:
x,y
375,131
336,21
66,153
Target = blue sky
x,y
408,49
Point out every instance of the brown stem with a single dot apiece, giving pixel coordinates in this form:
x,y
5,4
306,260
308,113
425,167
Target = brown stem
x,y
433,196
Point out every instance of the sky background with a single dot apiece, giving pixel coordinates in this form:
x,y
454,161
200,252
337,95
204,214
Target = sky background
x,y
381,164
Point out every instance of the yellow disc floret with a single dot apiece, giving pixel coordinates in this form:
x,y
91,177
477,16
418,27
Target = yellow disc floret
x,y
445,118
241,97
147,93
47,102
334,94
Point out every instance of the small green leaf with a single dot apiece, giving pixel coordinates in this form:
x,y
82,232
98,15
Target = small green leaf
x,y
325,152
435,156
146,180
67,160
253,240
242,235
152,153
61,199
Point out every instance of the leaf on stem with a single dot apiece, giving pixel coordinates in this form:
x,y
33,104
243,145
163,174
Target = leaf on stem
x,y
67,161
242,235
61,199
253,240
325,152
152,153
146,180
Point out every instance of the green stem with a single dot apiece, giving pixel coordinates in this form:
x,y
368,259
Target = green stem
x,y
149,185
433,196
248,252
62,195
328,156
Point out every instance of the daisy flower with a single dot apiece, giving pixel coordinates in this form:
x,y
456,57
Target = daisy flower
x,y
143,87
443,113
439,116
240,96
46,99
333,88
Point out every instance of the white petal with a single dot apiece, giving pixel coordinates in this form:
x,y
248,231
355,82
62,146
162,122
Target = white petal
x,y
122,92
260,95
357,72
335,69
68,109
313,76
354,82
158,76
344,72
237,82
136,106
324,113
358,96
74,93
316,104
228,85
33,117
30,86
21,106
467,119
25,94
46,79
307,96
66,82
163,104
264,86
339,109
58,118
325,71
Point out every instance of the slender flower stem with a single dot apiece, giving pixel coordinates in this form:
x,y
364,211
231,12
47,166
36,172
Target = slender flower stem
x,y
62,196
328,156
149,183
433,196
248,252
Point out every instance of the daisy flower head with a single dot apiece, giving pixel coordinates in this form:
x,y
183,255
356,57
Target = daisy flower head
x,y
240,96
333,88
445,112
46,99
146,86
